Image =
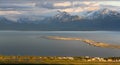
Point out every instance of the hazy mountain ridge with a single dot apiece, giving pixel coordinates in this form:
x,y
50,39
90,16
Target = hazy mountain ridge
x,y
102,19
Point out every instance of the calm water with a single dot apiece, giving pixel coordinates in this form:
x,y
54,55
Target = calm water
x,y
31,43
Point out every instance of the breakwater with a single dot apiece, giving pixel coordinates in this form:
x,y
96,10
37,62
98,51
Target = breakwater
x,y
88,41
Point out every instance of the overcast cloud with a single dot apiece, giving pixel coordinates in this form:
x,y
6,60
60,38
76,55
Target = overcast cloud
x,y
41,7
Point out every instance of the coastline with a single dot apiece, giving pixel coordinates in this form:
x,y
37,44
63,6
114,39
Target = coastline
x,y
87,41
58,60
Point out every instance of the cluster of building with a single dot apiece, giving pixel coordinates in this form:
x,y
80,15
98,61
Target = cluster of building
x,y
101,59
39,58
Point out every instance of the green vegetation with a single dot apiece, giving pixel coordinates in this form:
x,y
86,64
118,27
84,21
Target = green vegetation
x,y
83,60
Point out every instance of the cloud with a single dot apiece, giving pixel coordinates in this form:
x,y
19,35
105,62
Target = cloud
x,y
9,12
54,5
80,9
17,6
66,4
82,6
62,4
41,7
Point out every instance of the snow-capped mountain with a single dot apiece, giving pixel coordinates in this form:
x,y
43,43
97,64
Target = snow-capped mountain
x,y
102,13
22,18
4,20
30,19
65,17
101,19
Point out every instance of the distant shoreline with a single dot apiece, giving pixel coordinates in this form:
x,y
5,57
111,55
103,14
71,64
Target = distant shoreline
x,y
55,31
61,30
58,60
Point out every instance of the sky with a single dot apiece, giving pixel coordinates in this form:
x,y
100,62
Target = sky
x,y
49,7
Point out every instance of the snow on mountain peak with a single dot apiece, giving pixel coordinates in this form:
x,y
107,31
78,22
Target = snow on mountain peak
x,y
103,12
62,14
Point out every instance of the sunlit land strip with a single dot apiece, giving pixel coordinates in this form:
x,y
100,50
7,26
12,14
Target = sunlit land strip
x,y
88,41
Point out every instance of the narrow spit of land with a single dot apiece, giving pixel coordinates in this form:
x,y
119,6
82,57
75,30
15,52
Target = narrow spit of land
x,y
88,41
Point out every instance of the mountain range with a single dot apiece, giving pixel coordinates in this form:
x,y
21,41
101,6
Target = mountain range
x,y
101,19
